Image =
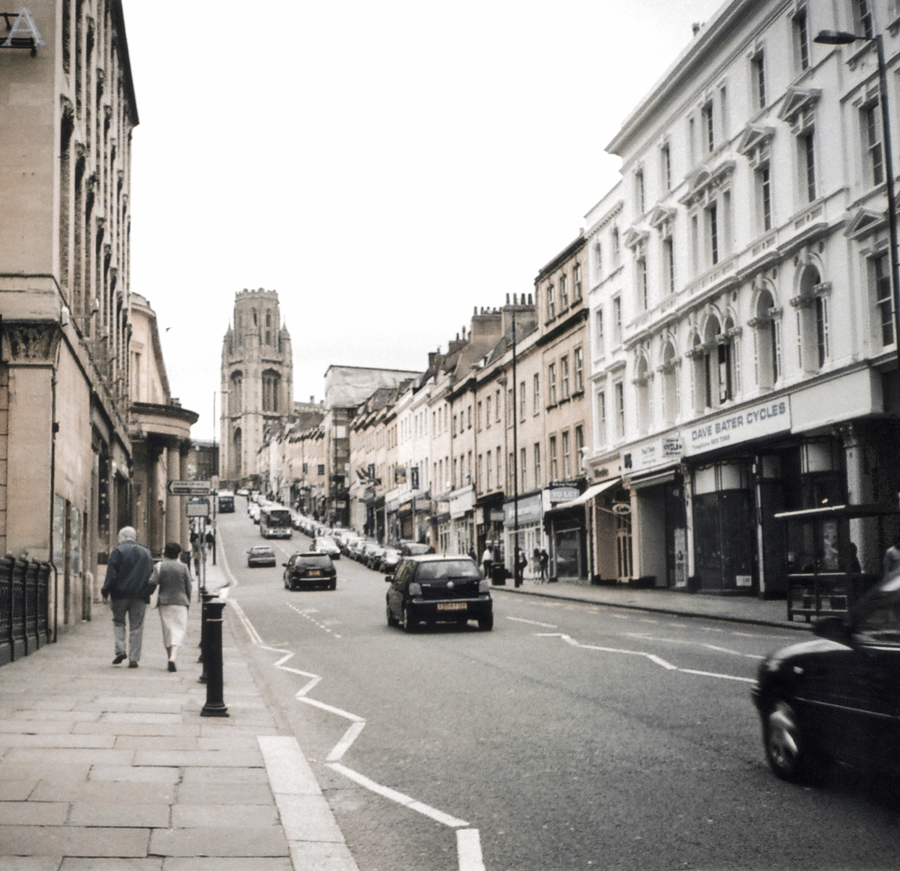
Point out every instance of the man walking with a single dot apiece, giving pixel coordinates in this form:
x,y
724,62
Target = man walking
x,y
127,585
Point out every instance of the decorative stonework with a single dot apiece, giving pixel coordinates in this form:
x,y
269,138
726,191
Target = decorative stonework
x,y
30,343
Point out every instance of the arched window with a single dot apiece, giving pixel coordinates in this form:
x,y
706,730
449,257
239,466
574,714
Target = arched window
x,y
671,399
236,397
811,304
237,456
766,326
271,388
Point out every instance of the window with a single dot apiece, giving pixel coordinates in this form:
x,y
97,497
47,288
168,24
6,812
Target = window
x,y
537,465
880,284
499,468
563,293
863,18
497,406
522,401
764,198
812,320
617,319
642,283
599,343
564,377
566,455
523,469
642,396
487,412
489,471
598,259
807,161
665,154
601,418
712,233
577,290
767,335
871,131
551,302
551,383
800,29
579,448
639,193
620,409
668,248
536,394
758,73
480,417
670,384
510,407
554,460
480,476
707,123
511,471
578,366
822,339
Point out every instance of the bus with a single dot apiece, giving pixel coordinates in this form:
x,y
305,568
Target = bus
x,y
226,502
275,522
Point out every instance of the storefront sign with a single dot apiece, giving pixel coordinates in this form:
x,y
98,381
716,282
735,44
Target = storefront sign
x,y
462,502
562,494
757,421
529,510
24,32
650,455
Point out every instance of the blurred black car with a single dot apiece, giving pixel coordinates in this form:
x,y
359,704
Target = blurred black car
x,y
261,555
310,570
836,697
413,548
438,589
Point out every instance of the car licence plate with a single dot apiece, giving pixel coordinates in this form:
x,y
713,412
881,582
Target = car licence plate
x,y
451,606
315,573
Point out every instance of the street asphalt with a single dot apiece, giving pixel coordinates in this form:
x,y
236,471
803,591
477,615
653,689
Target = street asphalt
x,y
101,763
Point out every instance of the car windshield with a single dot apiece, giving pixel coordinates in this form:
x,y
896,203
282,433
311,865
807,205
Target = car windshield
x,y
446,569
418,549
261,549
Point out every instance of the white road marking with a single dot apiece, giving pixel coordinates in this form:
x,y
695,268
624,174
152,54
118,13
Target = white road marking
x,y
658,660
468,848
532,622
690,643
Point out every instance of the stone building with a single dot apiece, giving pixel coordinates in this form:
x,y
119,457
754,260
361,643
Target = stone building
x,y
67,111
257,383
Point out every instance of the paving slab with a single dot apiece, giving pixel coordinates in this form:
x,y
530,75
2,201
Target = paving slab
x,y
73,841
239,816
128,815
219,841
30,813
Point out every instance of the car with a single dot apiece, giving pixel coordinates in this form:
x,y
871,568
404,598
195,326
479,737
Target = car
x,y
261,555
389,560
310,570
438,589
243,492
834,697
414,548
372,556
326,544
254,511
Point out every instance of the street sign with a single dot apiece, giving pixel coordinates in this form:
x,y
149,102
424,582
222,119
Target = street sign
x,y
189,488
197,508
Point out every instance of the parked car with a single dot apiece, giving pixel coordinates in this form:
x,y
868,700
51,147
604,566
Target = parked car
x,y
835,697
357,549
310,570
374,553
254,511
261,555
438,589
389,560
414,548
326,544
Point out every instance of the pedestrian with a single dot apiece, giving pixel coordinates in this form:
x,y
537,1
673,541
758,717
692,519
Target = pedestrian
x,y
890,565
173,579
544,561
487,559
127,585
520,563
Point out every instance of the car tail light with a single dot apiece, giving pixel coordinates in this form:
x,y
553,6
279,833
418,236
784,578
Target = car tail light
x,y
415,589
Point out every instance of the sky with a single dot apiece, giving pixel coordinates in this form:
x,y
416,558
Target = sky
x,y
387,167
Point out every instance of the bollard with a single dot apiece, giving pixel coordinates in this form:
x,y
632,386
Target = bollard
x,y
212,661
204,599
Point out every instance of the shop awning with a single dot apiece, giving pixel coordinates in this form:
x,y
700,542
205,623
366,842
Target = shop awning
x,y
591,492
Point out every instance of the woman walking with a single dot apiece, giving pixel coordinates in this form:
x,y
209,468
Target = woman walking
x,y
174,582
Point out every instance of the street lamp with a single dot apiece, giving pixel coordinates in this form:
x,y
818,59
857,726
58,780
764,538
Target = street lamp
x,y
841,37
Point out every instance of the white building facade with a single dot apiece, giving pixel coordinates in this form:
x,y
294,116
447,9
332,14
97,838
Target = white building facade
x,y
744,356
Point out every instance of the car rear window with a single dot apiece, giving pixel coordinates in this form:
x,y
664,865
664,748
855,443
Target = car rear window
x,y
446,569
315,562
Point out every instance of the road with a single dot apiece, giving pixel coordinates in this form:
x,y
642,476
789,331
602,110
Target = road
x,y
570,737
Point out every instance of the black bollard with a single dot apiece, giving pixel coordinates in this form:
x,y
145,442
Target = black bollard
x,y
212,661
204,598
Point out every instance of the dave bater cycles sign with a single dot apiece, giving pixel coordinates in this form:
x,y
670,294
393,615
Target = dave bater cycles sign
x,y
756,421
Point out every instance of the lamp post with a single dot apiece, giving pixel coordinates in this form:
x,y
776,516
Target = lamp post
x,y
840,37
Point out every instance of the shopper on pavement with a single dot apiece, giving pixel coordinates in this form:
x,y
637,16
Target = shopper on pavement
x,y
127,584
174,582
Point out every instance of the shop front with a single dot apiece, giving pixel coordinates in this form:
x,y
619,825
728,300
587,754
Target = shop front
x,y
522,519
564,519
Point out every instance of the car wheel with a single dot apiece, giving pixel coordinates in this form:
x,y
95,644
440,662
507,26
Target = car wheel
x,y
485,624
409,623
391,619
786,750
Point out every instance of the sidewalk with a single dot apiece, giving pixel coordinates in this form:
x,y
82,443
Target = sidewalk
x,y
739,609
104,767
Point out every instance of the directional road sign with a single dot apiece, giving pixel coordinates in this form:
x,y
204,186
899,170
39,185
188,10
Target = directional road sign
x,y
189,488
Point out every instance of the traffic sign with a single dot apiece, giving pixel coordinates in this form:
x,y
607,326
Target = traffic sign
x,y
197,508
189,488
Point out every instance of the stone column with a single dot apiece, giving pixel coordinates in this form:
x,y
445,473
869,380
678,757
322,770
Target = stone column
x,y
174,504
184,450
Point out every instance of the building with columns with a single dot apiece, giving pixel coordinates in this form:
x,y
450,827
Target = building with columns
x,y
257,383
744,350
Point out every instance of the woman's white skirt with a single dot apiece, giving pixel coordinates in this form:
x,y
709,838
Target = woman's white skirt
x,y
174,624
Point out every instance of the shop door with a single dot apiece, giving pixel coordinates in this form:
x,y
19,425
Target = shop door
x,y
676,537
624,560
724,541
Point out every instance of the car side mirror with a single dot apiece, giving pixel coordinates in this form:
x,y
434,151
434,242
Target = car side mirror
x,y
389,579
285,565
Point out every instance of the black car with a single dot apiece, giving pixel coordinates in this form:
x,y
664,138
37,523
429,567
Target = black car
x,y
836,697
261,555
438,589
310,570
413,548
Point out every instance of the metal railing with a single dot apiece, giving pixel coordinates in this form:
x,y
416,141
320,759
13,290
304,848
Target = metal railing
x,y
24,606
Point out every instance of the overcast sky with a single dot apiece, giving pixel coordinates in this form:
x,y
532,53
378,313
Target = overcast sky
x,y
386,167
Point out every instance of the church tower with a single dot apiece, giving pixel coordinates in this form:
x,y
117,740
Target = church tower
x,y
257,382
